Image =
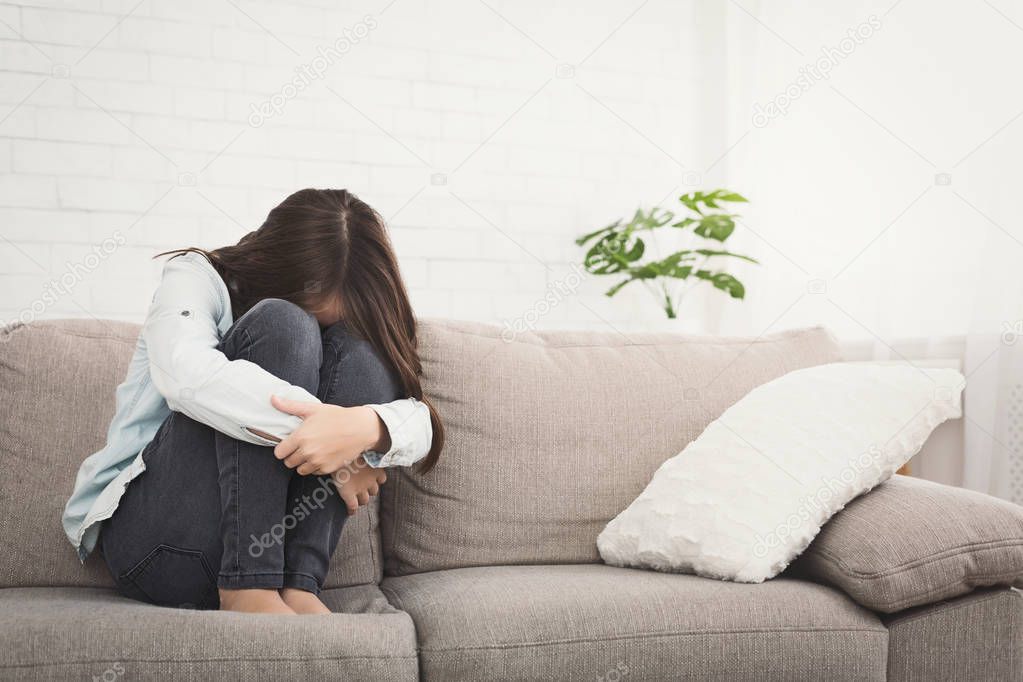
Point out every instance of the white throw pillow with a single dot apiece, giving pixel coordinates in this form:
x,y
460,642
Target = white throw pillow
x,y
746,497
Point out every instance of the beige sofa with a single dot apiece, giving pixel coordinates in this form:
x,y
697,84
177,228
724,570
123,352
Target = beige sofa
x,y
487,569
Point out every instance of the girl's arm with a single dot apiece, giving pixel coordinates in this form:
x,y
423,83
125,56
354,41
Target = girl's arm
x,y
400,435
196,379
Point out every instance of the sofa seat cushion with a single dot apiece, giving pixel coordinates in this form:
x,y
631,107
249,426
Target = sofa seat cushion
x,y
580,420
92,633
911,542
58,380
976,637
591,621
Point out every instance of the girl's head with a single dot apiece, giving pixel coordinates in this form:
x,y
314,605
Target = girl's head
x,y
328,252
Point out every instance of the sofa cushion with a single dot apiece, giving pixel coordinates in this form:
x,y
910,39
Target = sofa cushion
x,y
92,633
58,380
976,637
911,542
591,621
551,435
750,493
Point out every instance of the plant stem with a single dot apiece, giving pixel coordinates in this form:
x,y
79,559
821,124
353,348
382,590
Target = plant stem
x,y
669,308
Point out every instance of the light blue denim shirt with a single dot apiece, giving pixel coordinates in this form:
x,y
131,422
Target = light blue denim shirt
x,y
177,367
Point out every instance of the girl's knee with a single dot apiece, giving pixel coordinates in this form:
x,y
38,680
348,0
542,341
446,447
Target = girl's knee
x,y
353,371
276,314
281,338
285,321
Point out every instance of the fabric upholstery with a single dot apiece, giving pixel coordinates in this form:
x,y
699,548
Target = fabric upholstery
x,y
58,380
911,542
591,621
551,435
92,633
976,637
586,419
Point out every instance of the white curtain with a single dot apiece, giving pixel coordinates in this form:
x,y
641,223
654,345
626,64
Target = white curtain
x,y
993,461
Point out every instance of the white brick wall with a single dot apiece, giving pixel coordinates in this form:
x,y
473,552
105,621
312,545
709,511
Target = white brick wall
x,y
132,118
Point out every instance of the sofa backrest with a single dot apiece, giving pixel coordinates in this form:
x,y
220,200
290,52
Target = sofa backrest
x,y
57,382
551,435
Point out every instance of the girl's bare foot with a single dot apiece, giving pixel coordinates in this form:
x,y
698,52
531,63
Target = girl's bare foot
x,y
254,601
303,602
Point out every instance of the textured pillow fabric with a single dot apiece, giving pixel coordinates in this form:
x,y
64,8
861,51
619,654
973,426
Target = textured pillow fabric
x,y
912,542
551,434
748,495
58,380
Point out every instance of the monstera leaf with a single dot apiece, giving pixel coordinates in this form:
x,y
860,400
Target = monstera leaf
x,y
617,249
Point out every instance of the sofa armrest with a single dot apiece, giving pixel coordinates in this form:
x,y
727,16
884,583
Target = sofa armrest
x,y
911,542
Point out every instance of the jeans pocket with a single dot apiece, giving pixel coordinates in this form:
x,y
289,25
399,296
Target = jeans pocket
x,y
171,576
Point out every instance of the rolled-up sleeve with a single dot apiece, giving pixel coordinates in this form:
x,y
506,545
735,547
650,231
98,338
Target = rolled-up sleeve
x,y
408,423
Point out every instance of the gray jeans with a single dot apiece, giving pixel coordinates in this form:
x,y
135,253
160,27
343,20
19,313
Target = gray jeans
x,y
211,511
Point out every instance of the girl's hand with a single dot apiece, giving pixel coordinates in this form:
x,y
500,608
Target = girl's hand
x,y
330,437
357,482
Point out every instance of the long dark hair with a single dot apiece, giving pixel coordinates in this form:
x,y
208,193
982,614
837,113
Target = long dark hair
x,y
319,242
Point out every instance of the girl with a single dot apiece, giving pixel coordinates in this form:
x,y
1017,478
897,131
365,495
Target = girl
x,y
262,369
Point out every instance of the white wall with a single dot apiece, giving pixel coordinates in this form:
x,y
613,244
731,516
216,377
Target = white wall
x,y
892,181
489,134
540,121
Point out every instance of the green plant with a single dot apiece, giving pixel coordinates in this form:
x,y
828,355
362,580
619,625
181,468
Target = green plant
x,y
618,248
